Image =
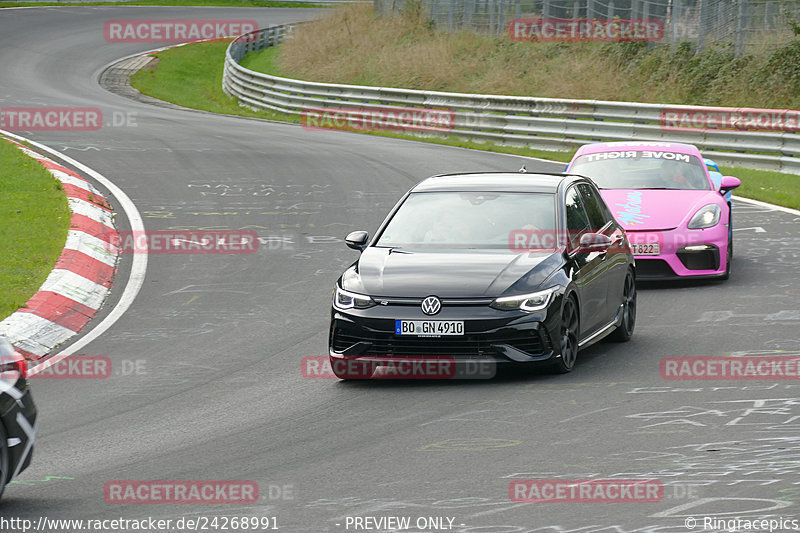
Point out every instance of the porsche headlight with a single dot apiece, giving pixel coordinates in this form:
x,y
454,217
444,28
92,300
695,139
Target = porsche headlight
x,y
706,217
534,301
343,299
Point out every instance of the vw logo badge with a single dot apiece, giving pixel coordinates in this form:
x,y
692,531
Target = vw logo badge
x,y
431,305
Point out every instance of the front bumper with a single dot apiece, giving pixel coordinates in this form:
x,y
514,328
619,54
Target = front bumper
x,y
490,336
701,253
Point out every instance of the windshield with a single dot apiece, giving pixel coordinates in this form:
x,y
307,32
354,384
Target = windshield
x,y
635,169
474,220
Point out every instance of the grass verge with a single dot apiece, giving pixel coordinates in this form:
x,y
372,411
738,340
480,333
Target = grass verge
x,y
35,219
773,187
355,46
198,3
191,76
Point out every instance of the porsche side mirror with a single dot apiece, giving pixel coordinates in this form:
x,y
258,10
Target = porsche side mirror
x,y
728,183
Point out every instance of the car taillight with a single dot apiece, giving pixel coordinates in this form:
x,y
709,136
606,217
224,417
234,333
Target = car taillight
x,y
18,365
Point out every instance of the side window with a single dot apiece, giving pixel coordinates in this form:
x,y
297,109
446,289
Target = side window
x,y
577,222
598,215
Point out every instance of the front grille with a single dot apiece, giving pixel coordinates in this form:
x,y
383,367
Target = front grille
x,y
653,268
384,344
342,341
700,259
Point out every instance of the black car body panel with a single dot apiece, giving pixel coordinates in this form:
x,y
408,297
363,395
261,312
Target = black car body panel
x,y
17,412
386,273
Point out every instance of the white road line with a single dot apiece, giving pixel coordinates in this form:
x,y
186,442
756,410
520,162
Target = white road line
x,y
35,334
90,210
586,414
75,287
766,204
63,177
90,245
138,268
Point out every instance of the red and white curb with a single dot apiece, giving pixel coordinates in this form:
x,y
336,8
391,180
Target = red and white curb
x,y
81,279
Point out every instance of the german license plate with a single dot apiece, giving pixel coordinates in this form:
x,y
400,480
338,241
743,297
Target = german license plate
x,y
646,248
433,328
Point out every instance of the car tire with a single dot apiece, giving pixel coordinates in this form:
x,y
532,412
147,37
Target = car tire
x,y
568,338
4,466
624,331
727,273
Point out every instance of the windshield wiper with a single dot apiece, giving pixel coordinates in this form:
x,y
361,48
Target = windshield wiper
x,y
395,250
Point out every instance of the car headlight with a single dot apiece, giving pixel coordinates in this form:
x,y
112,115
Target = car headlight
x,y
535,301
706,216
343,299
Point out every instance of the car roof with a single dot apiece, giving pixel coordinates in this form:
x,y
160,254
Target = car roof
x,y
681,148
541,182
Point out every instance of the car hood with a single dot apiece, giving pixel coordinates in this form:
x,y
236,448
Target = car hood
x,y
456,274
656,209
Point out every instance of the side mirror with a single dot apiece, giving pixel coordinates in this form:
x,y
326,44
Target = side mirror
x,y
594,242
357,240
728,183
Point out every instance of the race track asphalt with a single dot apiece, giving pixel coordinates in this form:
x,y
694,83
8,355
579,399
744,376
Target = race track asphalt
x,y
206,380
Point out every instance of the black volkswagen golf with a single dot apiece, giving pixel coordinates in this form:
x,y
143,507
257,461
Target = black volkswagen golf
x,y
485,267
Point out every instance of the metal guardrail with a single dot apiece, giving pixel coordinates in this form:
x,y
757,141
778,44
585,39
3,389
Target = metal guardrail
x,y
543,123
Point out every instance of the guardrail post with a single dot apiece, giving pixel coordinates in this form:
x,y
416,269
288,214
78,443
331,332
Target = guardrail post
x,y
701,29
501,16
452,8
675,19
741,27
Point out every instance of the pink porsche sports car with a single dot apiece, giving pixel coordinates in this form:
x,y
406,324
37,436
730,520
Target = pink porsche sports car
x,y
677,220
